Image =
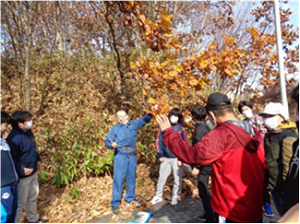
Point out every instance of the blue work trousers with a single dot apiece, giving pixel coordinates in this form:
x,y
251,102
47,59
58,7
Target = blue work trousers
x,y
9,203
124,166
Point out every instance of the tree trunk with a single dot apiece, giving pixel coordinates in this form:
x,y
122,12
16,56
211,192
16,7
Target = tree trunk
x,y
137,34
28,27
56,20
79,32
27,80
15,47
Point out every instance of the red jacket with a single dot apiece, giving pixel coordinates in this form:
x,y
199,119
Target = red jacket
x,y
239,173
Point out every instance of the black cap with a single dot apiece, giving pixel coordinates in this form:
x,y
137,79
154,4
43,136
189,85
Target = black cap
x,y
215,99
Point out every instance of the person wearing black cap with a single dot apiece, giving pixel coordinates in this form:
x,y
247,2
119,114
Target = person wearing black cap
x,y
236,152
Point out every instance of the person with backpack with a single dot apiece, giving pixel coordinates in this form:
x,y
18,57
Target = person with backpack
x,y
278,142
168,161
204,172
291,186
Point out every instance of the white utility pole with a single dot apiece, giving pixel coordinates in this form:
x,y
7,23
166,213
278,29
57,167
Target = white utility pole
x,y
280,58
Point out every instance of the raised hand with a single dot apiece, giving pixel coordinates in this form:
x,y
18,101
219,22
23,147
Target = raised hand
x,y
163,122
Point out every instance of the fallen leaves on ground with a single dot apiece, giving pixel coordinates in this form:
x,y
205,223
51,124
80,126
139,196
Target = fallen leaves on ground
x,y
57,205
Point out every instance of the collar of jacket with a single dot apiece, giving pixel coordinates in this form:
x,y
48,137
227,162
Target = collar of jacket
x,y
128,122
23,131
287,125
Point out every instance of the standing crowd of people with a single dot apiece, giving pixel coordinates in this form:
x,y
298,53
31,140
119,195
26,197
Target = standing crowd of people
x,y
248,161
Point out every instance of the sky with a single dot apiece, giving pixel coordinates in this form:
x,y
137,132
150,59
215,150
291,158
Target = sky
x,y
294,6
294,19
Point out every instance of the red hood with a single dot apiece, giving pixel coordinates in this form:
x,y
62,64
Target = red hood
x,y
248,142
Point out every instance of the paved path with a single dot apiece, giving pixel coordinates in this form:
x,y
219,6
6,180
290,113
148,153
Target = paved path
x,y
186,211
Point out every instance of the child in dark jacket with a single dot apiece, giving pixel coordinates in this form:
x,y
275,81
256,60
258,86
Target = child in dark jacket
x,y
9,177
27,162
199,114
168,160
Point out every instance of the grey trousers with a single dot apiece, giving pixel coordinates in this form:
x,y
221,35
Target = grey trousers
x,y
28,193
170,164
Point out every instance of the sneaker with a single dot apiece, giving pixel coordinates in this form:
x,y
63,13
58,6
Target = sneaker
x,y
114,210
155,200
174,201
268,210
42,220
202,218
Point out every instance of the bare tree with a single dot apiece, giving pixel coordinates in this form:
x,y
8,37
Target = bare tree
x,y
20,20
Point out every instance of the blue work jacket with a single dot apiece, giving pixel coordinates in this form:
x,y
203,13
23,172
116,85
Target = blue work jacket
x,y
125,135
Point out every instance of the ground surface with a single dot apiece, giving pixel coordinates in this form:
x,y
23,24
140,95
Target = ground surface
x,y
186,211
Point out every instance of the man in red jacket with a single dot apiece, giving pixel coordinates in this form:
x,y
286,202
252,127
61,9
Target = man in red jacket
x,y
236,152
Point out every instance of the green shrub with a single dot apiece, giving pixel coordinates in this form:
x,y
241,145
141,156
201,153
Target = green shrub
x,y
81,160
75,192
43,175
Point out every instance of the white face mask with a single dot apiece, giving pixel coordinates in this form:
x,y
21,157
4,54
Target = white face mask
x,y
296,115
173,119
271,122
248,113
29,124
214,118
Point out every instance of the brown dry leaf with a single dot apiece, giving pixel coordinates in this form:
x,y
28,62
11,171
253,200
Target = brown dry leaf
x,y
145,92
168,194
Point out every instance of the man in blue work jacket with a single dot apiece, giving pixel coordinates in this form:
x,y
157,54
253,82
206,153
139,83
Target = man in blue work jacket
x,y
122,137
